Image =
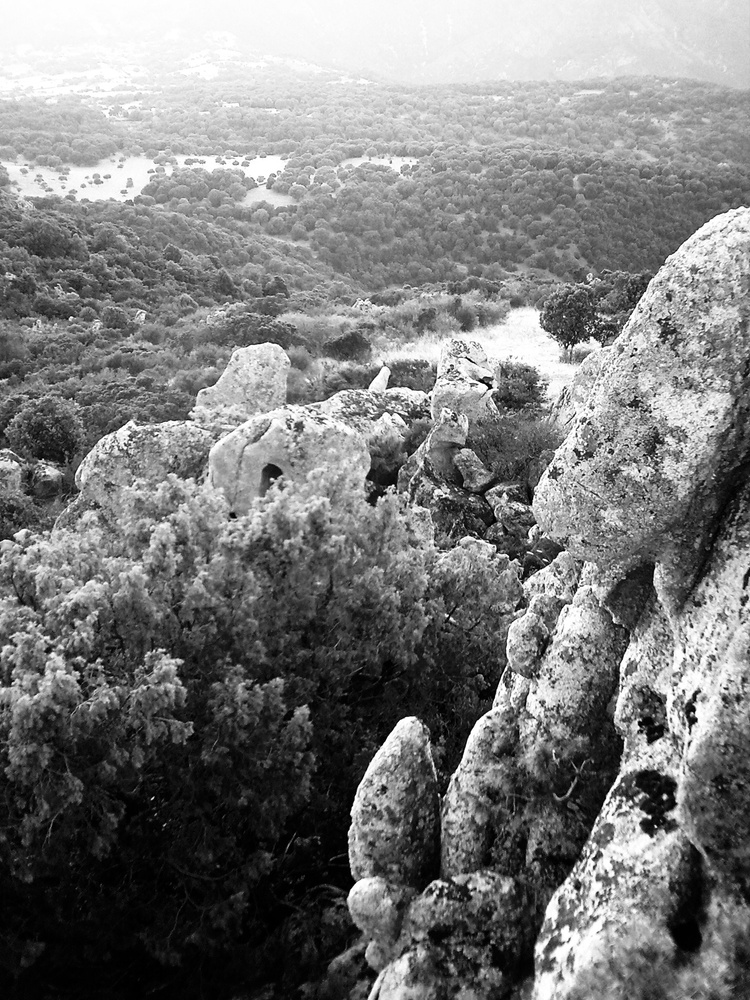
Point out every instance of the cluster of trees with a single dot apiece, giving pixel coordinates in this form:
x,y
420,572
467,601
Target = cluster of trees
x,y
599,308
541,177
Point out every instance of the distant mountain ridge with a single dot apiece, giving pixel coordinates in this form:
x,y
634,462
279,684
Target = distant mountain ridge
x,y
440,42
436,42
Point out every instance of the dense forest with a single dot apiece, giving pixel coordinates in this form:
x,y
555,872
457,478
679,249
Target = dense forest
x,y
542,176
112,310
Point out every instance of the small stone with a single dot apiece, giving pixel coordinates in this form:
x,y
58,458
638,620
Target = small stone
x,y
475,475
380,382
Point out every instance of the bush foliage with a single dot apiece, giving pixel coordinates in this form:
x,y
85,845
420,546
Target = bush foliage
x,y
174,693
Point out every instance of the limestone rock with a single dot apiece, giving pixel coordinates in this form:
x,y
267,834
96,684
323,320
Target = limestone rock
x,y
142,451
431,479
559,579
579,671
377,907
394,831
254,381
361,408
574,396
290,442
651,457
637,870
646,677
529,635
434,460
714,791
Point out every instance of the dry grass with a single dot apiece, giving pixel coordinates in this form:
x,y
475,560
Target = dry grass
x,y
519,337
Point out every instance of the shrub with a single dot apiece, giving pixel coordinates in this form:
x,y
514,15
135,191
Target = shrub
x,y
115,318
519,386
348,375
514,444
412,373
569,315
17,510
351,346
48,428
168,683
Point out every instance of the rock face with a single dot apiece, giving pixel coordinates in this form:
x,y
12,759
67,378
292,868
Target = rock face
x,y
290,442
254,381
609,786
655,452
671,841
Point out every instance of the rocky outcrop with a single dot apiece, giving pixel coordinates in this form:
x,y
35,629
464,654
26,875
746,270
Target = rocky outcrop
x,y
465,384
659,445
254,381
291,442
671,841
608,786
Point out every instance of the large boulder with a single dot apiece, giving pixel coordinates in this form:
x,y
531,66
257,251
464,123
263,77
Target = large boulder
x,y
291,442
254,381
142,451
654,452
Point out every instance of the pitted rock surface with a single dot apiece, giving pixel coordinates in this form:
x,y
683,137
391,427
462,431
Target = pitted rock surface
x,y
462,937
652,455
289,442
637,870
579,671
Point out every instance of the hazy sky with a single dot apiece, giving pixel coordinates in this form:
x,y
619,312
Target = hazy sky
x,y
697,37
